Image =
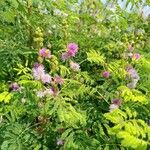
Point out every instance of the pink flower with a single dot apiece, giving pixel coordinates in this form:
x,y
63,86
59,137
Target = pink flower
x,y
115,104
14,86
132,72
45,53
65,56
106,74
116,101
46,78
134,77
136,56
36,65
72,49
38,71
74,66
58,80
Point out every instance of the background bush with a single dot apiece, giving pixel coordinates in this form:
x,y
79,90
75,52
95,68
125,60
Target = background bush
x,y
83,114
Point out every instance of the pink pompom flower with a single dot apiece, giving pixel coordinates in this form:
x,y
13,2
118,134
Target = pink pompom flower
x,y
65,56
106,74
46,78
115,104
72,49
14,86
39,73
58,80
136,56
134,77
116,101
45,53
132,72
74,66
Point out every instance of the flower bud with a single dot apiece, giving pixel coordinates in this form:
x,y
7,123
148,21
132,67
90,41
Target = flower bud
x,y
106,74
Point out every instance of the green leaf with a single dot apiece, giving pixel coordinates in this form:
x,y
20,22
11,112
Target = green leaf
x,y
5,97
95,57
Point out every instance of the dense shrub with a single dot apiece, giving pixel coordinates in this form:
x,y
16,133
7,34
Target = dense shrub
x,y
74,75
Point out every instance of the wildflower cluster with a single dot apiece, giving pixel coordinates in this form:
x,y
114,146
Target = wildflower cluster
x,y
40,74
133,76
74,76
72,50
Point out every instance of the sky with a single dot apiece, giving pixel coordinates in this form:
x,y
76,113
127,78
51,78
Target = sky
x,y
122,3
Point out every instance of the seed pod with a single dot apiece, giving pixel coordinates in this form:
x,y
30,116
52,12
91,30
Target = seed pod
x,y
41,34
40,39
41,44
35,39
40,59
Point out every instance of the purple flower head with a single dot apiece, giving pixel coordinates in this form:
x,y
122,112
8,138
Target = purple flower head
x,y
130,47
74,66
136,56
38,71
60,142
116,102
133,73
129,67
58,80
106,74
72,49
45,53
46,78
14,86
65,56
36,65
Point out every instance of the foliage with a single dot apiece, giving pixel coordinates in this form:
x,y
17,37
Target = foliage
x,y
94,95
